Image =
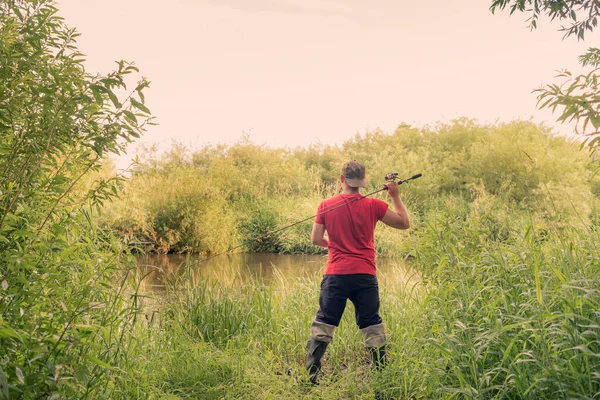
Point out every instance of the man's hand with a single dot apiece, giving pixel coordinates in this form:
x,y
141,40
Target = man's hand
x,y
392,189
399,217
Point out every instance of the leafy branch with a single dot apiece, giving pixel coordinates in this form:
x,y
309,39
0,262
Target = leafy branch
x,y
577,97
583,14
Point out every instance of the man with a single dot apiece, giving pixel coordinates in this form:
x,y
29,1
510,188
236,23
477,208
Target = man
x,y
350,272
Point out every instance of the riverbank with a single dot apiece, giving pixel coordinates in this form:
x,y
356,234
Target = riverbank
x,y
504,242
505,248
213,199
516,319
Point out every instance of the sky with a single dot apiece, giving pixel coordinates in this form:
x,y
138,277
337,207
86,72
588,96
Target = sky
x,y
299,72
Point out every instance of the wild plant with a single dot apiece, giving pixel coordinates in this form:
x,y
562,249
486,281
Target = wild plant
x,y
61,322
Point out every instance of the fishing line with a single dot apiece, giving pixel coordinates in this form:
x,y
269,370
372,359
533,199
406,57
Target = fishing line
x,y
391,177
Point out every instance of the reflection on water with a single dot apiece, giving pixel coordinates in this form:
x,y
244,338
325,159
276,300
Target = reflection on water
x,y
161,270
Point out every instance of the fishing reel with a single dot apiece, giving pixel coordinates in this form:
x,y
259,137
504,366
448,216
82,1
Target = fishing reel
x,y
391,177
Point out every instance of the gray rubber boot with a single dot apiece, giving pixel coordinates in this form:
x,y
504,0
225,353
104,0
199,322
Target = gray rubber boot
x,y
379,357
316,349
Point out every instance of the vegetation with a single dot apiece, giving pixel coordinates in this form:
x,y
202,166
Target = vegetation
x,y
494,305
576,97
500,298
61,322
218,197
581,14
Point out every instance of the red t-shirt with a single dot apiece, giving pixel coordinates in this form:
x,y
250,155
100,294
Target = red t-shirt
x,y
350,229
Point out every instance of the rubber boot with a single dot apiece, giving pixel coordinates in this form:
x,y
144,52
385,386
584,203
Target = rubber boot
x,y
378,355
316,349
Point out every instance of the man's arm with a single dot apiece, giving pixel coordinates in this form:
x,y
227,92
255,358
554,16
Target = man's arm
x,y
317,237
399,217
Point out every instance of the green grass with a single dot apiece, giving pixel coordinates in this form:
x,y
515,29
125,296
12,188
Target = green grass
x,y
503,296
513,318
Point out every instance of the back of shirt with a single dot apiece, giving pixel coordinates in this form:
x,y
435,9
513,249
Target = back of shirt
x,y
351,229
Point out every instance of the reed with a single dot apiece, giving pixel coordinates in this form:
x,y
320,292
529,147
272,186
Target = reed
x,y
513,317
498,298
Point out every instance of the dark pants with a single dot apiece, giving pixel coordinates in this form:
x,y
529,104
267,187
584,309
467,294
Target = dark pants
x,y
361,289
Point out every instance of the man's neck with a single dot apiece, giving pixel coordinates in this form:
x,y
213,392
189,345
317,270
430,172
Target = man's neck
x,y
350,190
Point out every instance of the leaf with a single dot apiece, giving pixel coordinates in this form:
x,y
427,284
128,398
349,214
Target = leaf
x,y
20,376
9,333
593,143
595,119
82,374
98,362
19,14
60,179
96,94
69,250
130,116
4,284
3,383
114,99
140,106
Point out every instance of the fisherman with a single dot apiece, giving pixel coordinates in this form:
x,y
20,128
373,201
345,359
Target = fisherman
x,y
350,272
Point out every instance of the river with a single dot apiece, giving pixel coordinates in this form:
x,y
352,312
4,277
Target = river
x,y
163,270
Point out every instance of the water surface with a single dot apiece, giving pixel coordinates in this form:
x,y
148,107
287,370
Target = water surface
x,y
161,270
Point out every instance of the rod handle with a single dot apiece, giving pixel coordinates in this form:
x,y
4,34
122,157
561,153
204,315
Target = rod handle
x,y
409,179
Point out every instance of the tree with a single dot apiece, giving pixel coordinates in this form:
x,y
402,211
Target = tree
x,y
576,97
57,124
583,14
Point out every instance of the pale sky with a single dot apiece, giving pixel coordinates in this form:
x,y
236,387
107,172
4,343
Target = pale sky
x,y
295,72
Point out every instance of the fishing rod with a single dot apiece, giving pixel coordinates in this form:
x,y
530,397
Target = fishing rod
x,y
391,177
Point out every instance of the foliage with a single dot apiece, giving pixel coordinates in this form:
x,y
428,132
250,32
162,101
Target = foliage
x,y
494,305
583,14
214,199
262,232
503,300
61,323
578,96
210,200
512,318
580,100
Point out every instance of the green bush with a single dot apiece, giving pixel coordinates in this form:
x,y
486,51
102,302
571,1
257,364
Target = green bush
x,y
217,197
260,232
63,324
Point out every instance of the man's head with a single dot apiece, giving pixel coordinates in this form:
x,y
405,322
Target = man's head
x,y
354,174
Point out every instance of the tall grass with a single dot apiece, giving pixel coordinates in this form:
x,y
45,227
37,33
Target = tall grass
x,y
487,309
501,298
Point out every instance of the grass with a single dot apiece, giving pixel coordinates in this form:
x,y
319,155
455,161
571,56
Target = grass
x,y
507,319
502,299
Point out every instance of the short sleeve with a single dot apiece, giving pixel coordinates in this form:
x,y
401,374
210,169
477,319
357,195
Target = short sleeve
x,y
319,219
380,207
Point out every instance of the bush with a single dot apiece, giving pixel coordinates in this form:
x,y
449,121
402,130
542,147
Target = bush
x,y
182,200
62,324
